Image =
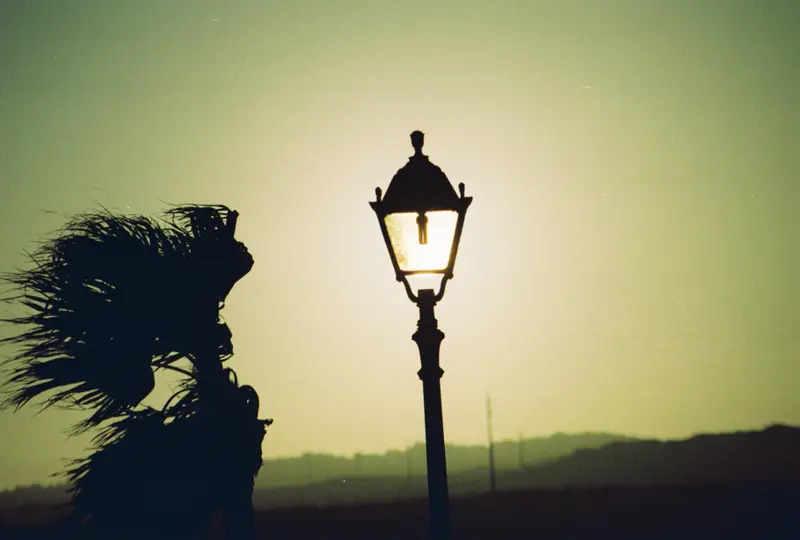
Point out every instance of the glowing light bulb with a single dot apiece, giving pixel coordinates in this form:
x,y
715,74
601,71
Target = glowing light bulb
x,y
422,225
414,247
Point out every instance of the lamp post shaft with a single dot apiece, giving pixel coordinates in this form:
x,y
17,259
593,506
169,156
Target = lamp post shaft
x,y
428,338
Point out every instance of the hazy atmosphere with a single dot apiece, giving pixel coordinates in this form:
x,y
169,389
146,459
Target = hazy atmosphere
x,y
630,262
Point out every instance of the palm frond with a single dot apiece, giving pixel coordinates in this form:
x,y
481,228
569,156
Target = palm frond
x,y
171,468
199,218
109,299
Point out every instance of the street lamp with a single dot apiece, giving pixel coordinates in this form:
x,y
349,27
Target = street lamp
x,y
421,218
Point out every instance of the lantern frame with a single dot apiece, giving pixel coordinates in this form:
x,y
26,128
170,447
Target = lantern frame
x,y
420,187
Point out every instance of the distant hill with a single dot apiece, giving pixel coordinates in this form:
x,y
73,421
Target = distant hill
x,y
35,494
768,457
388,469
319,468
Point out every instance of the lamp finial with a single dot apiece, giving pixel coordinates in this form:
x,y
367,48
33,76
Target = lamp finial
x,y
417,140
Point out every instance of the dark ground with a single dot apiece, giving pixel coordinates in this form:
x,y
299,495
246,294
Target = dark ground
x,y
674,513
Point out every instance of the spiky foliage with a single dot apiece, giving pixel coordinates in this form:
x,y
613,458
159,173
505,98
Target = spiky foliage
x,y
110,300
167,472
113,297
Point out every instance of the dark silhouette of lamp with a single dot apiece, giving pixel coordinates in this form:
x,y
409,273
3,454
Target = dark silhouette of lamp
x,y
421,218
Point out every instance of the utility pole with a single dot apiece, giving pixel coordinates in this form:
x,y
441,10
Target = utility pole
x,y
492,475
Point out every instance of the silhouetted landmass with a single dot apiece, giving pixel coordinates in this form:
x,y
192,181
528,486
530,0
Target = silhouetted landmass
x,y
317,468
770,457
736,485
388,467
757,459
34,494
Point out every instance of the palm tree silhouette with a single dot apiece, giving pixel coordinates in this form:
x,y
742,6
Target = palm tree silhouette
x,y
111,300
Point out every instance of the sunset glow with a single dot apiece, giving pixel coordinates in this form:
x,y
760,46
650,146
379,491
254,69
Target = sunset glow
x,y
629,265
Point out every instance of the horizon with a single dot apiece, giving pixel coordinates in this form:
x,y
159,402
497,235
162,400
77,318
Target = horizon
x,y
500,466
632,439
629,263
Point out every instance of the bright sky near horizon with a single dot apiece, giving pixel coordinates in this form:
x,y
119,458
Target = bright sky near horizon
x,y
630,261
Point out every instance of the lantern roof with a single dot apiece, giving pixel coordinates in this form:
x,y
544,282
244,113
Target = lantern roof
x,y
419,186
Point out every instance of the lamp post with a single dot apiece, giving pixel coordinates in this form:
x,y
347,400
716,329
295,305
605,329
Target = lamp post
x,y
421,218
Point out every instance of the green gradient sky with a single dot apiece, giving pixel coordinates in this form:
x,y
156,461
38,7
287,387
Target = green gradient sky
x,y
630,262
